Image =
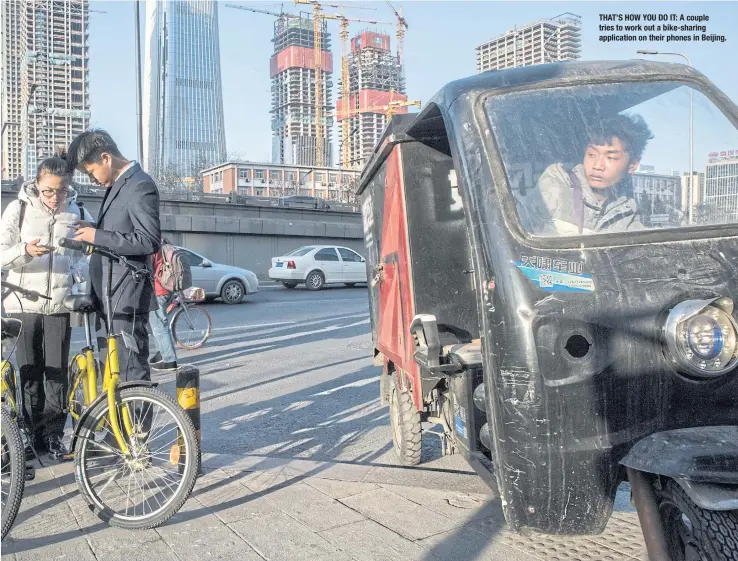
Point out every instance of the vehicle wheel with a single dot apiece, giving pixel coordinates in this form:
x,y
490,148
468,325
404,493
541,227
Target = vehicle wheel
x,y
315,280
289,284
350,284
232,292
145,489
191,327
13,467
696,533
406,428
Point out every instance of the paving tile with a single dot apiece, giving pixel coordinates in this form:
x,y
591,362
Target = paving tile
x,y
467,543
52,547
278,537
399,514
202,537
462,482
340,489
233,501
121,549
311,507
369,541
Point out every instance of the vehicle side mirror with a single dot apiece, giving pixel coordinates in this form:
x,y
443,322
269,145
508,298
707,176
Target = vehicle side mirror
x,y
206,263
363,260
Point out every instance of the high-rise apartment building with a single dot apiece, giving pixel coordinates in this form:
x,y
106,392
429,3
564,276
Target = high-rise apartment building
x,y
548,40
182,102
376,78
720,195
45,80
293,91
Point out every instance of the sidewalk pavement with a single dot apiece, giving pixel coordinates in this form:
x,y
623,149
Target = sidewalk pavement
x,y
252,508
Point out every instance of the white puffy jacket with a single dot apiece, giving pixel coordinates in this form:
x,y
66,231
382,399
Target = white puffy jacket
x,y
52,274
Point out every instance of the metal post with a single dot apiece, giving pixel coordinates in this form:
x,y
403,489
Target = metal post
x,y
648,514
188,397
690,196
139,112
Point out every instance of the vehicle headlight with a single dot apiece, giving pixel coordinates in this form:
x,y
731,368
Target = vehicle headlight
x,y
702,336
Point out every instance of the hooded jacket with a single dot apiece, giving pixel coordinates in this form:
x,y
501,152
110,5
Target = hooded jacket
x,y
52,274
548,210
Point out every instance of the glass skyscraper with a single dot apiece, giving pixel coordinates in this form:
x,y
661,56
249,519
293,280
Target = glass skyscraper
x,y
183,101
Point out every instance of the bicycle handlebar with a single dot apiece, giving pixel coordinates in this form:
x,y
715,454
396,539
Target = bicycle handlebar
x,y
89,248
32,295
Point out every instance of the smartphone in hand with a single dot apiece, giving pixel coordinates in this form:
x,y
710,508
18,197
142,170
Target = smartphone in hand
x,y
49,247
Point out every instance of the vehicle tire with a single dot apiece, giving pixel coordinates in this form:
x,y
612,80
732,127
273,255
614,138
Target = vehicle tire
x,y
97,449
232,292
191,327
13,470
693,532
289,284
350,284
406,428
315,280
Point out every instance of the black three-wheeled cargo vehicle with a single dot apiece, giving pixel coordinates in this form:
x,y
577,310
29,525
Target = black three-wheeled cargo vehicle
x,y
552,286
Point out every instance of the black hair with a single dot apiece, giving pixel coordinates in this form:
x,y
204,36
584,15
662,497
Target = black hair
x,y
57,166
632,131
89,147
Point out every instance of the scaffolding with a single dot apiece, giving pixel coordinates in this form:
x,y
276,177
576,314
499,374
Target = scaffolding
x,y
294,93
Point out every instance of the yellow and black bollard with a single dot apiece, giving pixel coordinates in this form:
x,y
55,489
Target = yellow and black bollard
x,y
188,397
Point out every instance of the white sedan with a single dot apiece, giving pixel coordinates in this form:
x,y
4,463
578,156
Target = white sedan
x,y
317,265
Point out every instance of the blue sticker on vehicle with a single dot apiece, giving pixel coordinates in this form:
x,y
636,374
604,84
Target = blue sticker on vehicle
x,y
556,275
460,428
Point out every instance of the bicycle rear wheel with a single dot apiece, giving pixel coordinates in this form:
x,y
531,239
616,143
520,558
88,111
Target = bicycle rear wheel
x,y
191,327
145,489
13,468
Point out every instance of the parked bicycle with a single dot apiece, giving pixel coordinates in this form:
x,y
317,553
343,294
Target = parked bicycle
x,y
136,454
13,470
189,323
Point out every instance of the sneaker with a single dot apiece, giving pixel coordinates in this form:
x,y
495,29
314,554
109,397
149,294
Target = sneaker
x,y
56,448
40,447
161,365
155,358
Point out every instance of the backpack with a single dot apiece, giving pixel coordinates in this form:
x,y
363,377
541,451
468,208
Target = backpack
x,y
174,274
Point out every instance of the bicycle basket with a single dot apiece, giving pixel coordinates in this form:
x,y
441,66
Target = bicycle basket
x,y
194,294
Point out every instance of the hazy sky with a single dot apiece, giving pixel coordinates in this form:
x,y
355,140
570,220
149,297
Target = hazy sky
x,y
439,47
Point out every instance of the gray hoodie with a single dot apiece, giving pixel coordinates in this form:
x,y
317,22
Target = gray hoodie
x,y
548,210
52,274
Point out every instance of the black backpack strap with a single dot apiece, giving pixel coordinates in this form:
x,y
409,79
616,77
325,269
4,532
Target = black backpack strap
x,y
578,201
22,214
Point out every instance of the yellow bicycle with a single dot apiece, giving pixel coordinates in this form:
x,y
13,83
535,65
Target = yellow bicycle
x,y
135,449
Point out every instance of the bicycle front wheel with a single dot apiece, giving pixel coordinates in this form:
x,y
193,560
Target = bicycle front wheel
x,y
191,327
13,468
146,488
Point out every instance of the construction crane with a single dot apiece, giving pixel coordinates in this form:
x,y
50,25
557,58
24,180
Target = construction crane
x,y
345,89
400,32
259,11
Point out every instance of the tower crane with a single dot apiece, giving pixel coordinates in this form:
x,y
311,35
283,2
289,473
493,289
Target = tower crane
x,y
400,32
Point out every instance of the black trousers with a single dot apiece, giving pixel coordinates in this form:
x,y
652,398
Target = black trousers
x,y
43,360
133,362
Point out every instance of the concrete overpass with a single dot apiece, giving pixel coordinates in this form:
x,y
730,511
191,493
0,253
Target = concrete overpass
x,y
242,235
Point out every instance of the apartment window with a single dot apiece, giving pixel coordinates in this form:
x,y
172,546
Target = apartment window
x,y
274,175
259,174
333,178
243,173
290,176
320,177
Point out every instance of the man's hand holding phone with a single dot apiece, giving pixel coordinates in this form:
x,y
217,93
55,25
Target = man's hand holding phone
x,y
34,249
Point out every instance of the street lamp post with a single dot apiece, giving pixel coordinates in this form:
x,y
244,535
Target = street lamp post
x,y
691,132
139,124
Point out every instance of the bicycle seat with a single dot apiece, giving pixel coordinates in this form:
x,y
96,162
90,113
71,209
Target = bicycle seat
x,y
11,327
82,303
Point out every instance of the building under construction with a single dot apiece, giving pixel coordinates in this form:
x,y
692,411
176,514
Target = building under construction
x,y
293,91
376,78
46,80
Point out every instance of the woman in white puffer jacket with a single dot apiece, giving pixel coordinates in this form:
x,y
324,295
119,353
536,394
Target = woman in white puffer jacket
x,y
32,226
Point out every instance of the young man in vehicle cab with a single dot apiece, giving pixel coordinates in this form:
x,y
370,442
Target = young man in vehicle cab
x,y
595,196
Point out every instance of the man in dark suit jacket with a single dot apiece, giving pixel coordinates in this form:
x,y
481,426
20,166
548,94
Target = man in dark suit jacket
x,y
128,224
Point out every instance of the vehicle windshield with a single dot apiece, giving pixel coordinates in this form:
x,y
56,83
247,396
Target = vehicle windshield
x,y
299,252
601,159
